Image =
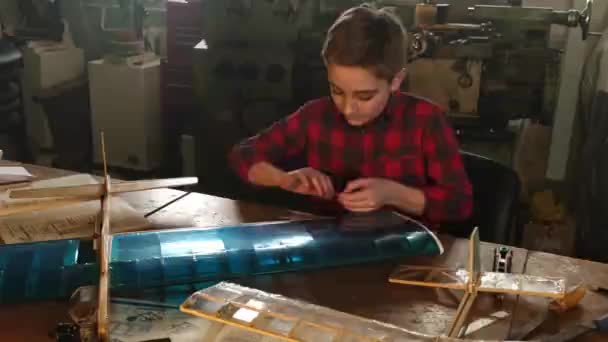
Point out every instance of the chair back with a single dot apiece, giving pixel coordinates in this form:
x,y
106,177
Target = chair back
x,y
496,191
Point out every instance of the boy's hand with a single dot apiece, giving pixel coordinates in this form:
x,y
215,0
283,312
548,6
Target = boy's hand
x,y
366,194
308,181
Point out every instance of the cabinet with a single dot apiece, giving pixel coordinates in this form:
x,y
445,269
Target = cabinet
x,y
125,105
46,65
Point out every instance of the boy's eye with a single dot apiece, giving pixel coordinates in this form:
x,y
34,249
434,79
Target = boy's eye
x,y
365,98
336,92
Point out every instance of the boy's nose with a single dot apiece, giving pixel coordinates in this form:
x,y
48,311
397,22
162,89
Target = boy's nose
x,y
349,107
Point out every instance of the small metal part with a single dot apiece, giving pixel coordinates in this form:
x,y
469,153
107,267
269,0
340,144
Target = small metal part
x,y
585,19
67,332
419,43
503,259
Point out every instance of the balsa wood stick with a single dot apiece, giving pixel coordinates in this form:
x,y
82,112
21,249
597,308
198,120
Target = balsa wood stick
x,y
104,275
104,248
41,205
98,190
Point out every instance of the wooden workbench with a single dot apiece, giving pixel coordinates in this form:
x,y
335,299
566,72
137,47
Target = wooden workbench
x,y
362,290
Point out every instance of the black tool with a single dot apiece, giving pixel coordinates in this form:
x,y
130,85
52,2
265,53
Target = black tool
x,y
503,260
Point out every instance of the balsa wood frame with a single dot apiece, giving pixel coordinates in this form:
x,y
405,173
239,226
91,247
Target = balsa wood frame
x,y
472,281
59,196
223,306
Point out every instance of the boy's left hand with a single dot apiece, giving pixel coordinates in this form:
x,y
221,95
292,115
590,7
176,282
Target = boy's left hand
x,y
366,194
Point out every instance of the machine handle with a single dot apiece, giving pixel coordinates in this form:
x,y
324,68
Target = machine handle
x,y
585,18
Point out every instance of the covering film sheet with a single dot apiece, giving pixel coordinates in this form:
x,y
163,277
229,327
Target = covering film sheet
x,y
191,255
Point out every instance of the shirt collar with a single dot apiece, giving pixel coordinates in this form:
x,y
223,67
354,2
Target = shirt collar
x,y
381,121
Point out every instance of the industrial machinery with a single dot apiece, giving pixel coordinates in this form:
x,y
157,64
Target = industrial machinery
x,y
486,62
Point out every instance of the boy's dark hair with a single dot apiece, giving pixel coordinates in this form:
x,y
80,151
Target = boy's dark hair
x,y
367,37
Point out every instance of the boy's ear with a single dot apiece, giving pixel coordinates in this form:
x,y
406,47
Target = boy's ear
x,y
397,80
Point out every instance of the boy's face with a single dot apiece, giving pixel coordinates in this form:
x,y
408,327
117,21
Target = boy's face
x,y
359,95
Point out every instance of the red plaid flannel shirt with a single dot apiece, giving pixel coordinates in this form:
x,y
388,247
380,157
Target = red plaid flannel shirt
x,y
410,142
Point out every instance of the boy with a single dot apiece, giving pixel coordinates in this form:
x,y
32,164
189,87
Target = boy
x,y
397,149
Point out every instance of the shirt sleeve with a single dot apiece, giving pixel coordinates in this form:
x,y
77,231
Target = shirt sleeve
x,y
283,139
449,195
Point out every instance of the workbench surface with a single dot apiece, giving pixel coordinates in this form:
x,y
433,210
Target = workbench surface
x,y
362,290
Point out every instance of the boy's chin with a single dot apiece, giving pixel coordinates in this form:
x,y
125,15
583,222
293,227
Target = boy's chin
x,y
357,121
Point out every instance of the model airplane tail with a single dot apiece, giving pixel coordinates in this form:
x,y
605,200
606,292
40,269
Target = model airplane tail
x,y
495,282
472,281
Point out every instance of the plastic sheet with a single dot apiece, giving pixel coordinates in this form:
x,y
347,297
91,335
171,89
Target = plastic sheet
x,y
41,270
173,258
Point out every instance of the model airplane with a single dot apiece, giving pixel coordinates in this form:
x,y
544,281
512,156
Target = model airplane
x,y
102,236
472,281
281,318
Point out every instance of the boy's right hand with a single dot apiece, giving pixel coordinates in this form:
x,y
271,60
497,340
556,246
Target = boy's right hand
x,y
308,181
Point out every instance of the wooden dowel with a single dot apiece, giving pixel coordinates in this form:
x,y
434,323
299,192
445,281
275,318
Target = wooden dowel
x,y
104,249
462,314
97,190
43,204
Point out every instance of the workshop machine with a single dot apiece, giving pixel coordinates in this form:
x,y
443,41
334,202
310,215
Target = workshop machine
x,y
485,62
